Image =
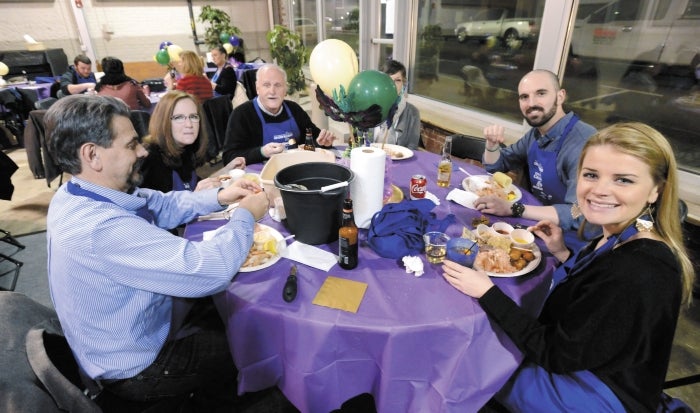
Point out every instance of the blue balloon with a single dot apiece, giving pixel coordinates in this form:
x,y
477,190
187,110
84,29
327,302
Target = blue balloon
x,y
165,44
235,41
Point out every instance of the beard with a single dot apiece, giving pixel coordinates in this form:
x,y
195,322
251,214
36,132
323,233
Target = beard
x,y
545,117
136,176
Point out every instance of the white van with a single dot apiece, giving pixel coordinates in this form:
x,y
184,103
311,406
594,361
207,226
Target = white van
x,y
654,37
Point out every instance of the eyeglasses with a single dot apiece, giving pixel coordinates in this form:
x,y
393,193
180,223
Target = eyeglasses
x,y
194,118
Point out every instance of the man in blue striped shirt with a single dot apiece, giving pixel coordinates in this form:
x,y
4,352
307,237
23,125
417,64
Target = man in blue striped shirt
x,y
114,270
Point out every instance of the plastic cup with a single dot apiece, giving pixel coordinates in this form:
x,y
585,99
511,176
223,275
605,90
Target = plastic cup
x,y
435,246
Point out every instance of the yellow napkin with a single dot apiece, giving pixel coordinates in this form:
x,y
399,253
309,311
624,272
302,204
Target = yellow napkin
x,y
340,293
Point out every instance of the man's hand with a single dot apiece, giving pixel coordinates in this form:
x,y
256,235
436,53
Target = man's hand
x,y
257,204
237,191
495,136
271,149
325,138
491,204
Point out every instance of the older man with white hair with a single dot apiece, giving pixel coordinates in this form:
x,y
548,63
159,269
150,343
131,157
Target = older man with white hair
x,y
267,124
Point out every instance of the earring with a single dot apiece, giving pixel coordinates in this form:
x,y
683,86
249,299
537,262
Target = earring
x,y
645,225
575,211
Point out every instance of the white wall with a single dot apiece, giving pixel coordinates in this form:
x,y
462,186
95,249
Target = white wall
x,y
138,27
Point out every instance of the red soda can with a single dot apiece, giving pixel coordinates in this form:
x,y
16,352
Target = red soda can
x,y
418,186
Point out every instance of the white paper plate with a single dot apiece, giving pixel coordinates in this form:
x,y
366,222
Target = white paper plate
x,y
398,152
475,182
276,234
528,268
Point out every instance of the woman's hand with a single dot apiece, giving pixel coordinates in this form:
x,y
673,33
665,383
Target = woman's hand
x,y
553,237
470,282
208,183
236,163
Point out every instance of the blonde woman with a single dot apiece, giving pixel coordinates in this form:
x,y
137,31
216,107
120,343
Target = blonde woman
x,y
192,80
603,339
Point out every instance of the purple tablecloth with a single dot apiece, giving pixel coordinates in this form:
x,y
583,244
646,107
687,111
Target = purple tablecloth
x,y
415,344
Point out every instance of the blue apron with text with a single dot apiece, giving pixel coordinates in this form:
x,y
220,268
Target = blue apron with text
x,y
180,185
280,132
542,169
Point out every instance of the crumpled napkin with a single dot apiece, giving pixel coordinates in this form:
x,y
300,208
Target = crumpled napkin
x,y
310,255
462,197
431,196
413,265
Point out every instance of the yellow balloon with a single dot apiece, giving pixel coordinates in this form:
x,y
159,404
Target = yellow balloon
x,y
174,52
333,63
4,69
228,47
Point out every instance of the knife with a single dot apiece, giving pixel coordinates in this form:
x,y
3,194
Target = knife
x,y
289,292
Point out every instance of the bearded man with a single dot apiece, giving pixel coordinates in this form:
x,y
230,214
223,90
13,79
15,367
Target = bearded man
x,y
549,153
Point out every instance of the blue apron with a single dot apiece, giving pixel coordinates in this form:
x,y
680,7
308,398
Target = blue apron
x,y
75,189
216,77
180,185
542,169
532,388
280,132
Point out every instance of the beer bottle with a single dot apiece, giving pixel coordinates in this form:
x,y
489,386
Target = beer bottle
x,y
347,238
309,142
445,165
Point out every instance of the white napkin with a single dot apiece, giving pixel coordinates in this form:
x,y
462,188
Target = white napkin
x,y
431,196
413,264
464,198
310,255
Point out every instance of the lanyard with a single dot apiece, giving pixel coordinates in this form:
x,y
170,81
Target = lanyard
x,y
585,256
75,189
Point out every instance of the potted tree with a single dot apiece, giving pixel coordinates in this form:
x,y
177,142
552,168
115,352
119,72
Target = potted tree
x,y
219,27
290,53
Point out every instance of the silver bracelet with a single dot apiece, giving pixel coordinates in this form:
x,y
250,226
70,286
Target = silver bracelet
x,y
498,148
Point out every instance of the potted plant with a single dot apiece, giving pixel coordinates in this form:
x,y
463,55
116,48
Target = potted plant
x,y
290,53
430,42
219,26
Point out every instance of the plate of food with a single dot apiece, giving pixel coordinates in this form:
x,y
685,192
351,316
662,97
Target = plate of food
x,y
397,152
514,262
264,251
483,185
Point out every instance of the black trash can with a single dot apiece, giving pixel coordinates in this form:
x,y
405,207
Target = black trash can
x,y
313,216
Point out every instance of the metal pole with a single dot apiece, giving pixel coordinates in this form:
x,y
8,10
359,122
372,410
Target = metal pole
x,y
197,42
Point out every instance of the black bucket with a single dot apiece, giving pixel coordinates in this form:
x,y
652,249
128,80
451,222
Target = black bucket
x,y
313,216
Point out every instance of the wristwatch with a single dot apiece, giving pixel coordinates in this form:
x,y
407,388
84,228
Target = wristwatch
x,y
517,209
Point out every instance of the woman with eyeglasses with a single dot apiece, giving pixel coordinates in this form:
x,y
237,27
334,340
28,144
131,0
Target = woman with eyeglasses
x,y
177,145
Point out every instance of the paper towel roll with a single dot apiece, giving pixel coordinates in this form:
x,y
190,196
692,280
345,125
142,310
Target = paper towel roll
x,y
367,189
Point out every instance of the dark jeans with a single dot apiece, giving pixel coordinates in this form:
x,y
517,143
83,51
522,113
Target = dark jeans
x,y
199,364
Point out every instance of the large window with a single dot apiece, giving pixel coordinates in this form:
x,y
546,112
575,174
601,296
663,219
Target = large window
x,y
639,60
472,54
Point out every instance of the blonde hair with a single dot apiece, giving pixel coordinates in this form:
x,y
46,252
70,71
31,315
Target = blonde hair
x,y
191,63
651,147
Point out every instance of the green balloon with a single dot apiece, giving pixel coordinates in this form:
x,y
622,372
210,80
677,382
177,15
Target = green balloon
x,y
372,87
163,57
224,37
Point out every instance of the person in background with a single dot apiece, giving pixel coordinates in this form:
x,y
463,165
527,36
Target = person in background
x,y
548,153
266,125
115,273
78,78
405,126
117,84
224,81
177,145
192,80
603,339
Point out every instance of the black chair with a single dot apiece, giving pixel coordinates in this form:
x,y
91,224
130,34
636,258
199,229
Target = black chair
x,y
6,257
45,103
216,113
140,119
38,153
248,81
469,147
